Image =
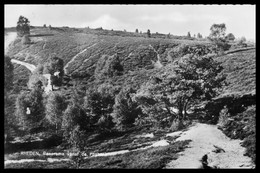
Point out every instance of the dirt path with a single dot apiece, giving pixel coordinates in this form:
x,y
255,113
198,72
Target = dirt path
x,y
31,67
67,65
204,137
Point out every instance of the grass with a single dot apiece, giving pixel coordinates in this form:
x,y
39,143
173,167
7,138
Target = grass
x,y
152,158
135,53
240,70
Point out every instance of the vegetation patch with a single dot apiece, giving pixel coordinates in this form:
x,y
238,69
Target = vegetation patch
x,y
152,158
242,126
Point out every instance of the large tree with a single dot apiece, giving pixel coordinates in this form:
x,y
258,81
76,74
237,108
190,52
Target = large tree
x,y
8,71
30,109
99,105
218,31
23,26
183,86
126,110
8,101
217,35
55,106
73,116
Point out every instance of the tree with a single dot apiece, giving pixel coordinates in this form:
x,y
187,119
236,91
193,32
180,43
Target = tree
x,y
148,33
188,35
8,71
99,105
126,110
74,115
8,86
217,35
36,79
54,67
30,109
44,25
168,36
55,106
218,31
199,35
242,40
230,36
77,140
136,31
185,85
23,26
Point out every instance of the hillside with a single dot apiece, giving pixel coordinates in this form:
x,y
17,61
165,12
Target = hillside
x,y
115,60
240,68
83,52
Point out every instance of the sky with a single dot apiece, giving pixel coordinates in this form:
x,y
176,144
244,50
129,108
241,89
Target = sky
x,y
175,19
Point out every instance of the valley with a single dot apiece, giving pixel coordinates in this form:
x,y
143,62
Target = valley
x,y
110,102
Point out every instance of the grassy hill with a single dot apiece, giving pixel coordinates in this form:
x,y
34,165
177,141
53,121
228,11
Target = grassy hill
x,y
82,50
240,68
94,57
90,55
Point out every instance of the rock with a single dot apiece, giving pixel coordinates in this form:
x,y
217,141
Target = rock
x,y
218,149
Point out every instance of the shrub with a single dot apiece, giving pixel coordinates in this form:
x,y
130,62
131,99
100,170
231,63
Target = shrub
x,y
126,110
26,39
74,116
230,36
99,106
223,117
148,33
177,125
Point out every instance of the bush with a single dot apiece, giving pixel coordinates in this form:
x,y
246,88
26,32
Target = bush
x,y
26,39
74,116
126,110
223,117
177,125
99,106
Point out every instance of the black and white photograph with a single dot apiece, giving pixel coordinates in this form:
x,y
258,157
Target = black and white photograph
x,y
129,86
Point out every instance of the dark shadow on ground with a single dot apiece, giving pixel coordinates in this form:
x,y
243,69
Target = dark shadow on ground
x,y
41,35
53,141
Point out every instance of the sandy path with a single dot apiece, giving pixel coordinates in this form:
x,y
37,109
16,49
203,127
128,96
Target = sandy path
x,y
204,137
67,65
9,38
31,67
